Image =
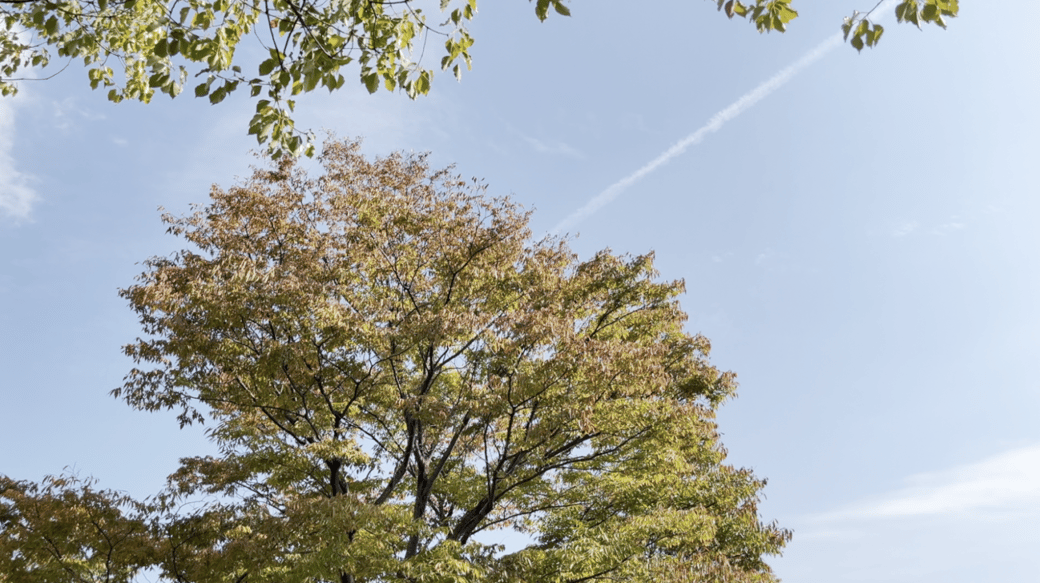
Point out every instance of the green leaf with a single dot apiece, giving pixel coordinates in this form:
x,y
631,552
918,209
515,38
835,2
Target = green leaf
x,y
875,35
541,9
202,89
864,26
930,12
907,11
785,13
218,95
371,81
424,82
560,8
160,48
267,66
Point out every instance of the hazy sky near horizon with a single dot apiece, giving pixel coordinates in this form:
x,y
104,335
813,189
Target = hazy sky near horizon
x,y
859,240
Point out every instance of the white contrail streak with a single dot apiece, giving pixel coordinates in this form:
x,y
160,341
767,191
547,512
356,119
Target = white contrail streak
x,y
714,124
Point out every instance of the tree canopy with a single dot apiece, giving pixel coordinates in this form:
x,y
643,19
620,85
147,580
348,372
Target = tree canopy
x,y
394,368
135,48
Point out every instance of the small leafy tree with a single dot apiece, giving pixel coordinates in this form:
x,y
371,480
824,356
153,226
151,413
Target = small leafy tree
x,y
135,48
393,368
64,530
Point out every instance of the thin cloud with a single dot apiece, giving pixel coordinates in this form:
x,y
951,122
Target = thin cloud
x,y
745,102
1006,482
17,196
635,122
948,228
68,110
556,148
764,256
905,228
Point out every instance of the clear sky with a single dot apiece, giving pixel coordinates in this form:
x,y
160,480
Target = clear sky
x,y
859,239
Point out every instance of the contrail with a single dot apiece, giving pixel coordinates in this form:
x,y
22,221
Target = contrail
x,y
714,124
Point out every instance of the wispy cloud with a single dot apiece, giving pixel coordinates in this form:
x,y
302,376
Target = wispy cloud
x,y
17,195
745,102
67,111
557,148
905,228
764,256
634,122
1006,482
945,228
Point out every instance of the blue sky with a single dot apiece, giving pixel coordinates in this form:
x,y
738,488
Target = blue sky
x,y
860,244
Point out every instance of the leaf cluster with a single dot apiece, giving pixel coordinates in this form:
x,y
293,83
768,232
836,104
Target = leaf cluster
x,y
767,15
858,30
64,529
865,33
135,48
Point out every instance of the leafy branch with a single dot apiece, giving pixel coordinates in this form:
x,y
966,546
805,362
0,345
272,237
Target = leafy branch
x,y
865,33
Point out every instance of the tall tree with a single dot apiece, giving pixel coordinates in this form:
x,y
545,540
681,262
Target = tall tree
x,y
304,45
393,369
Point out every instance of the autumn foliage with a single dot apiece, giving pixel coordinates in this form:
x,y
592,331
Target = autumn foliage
x,y
394,368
